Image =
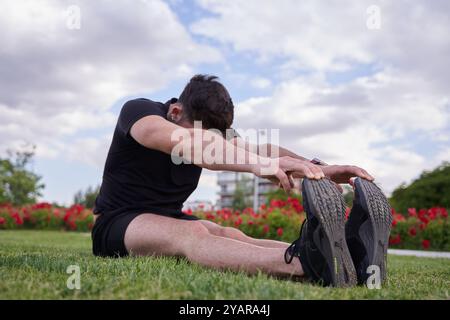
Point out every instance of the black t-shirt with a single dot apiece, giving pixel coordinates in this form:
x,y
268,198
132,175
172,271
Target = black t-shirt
x,y
139,179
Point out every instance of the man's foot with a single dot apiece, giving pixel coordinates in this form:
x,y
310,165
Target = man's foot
x,y
368,228
321,247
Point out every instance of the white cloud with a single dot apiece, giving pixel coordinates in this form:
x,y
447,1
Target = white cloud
x,y
354,123
290,28
369,120
332,35
55,81
19,126
90,151
208,179
261,83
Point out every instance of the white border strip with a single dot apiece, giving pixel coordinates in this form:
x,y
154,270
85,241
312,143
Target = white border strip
x,y
419,253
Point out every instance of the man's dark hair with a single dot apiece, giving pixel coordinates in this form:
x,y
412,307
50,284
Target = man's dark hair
x,y
205,99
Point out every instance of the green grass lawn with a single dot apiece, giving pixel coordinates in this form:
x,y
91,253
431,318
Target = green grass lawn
x,y
33,266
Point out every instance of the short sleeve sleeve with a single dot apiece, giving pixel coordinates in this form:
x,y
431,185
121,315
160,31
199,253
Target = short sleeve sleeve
x,y
134,110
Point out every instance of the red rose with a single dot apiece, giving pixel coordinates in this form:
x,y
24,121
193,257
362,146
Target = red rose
x,y
2,220
67,216
412,212
17,218
280,232
426,244
395,240
424,219
412,232
266,228
394,223
422,212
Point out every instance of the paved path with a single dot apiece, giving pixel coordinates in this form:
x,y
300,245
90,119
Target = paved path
x,y
420,253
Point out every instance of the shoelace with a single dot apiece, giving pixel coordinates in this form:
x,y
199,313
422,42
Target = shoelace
x,y
291,251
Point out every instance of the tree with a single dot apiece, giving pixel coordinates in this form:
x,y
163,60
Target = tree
x,y
429,190
87,197
18,184
241,199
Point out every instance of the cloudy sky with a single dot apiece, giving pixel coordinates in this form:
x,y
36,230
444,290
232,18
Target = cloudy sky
x,y
350,82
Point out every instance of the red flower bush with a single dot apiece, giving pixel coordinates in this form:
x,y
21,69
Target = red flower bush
x,y
419,228
280,232
393,240
45,216
280,219
425,244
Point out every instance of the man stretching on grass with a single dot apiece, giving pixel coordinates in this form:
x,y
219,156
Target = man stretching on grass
x,y
138,210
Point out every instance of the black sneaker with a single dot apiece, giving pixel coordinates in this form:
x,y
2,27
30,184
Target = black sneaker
x,y
321,247
368,228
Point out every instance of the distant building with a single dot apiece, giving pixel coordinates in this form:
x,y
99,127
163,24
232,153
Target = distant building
x,y
227,182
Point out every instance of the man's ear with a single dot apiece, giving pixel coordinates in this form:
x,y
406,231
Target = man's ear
x,y
175,112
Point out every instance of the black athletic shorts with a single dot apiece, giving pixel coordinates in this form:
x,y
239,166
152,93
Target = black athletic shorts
x,y
108,233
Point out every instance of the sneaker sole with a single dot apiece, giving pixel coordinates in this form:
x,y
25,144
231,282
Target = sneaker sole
x,y
376,239
329,208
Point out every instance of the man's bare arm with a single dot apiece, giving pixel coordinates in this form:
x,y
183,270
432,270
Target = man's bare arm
x,y
267,149
156,133
337,173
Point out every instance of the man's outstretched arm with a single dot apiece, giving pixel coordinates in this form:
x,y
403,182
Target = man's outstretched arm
x,y
266,149
337,173
156,133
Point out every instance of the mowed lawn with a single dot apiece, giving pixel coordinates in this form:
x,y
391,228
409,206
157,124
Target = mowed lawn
x,y
33,265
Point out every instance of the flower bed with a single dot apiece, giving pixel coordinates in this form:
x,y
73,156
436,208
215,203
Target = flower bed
x,y
280,220
426,229
46,217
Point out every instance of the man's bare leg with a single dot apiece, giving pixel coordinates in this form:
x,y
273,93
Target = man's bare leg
x,y
237,234
150,234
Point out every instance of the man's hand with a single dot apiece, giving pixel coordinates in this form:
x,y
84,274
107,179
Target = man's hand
x,y
283,169
343,174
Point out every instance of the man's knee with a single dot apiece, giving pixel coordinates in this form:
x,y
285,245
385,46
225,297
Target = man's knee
x,y
196,231
219,230
230,232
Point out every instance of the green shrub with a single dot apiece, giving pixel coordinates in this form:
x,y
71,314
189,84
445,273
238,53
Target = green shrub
x,y
431,189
